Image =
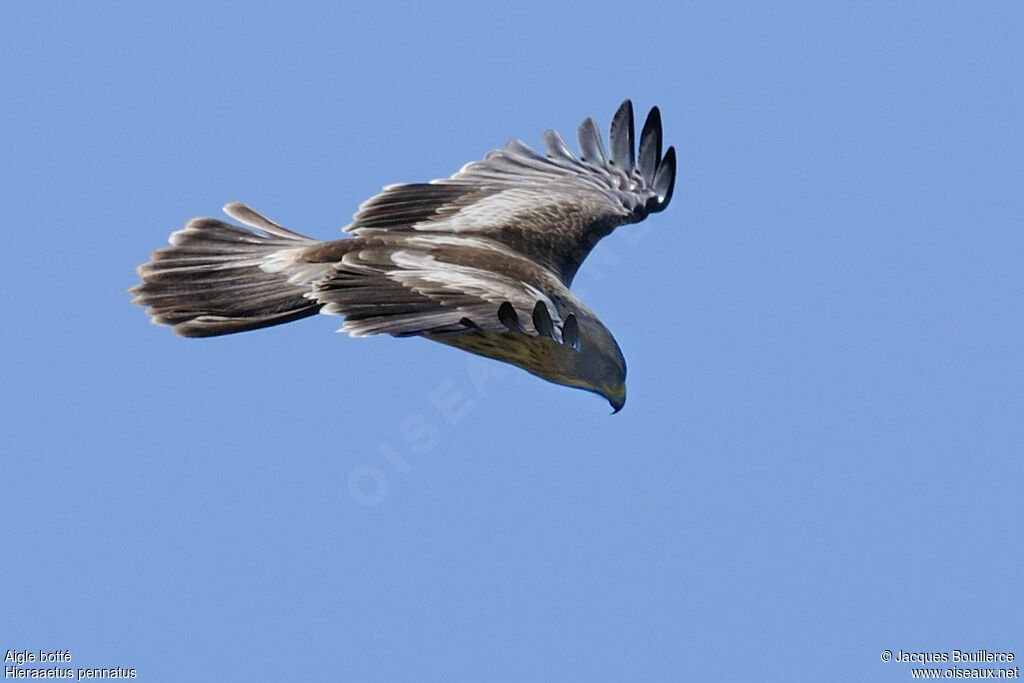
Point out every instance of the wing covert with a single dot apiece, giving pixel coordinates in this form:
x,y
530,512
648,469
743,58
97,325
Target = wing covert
x,y
551,207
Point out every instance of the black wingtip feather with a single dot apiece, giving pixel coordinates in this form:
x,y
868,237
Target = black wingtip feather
x,y
571,332
591,145
622,137
665,179
542,321
650,146
509,318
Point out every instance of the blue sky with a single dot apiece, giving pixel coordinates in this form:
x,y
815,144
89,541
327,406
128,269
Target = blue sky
x,y
820,458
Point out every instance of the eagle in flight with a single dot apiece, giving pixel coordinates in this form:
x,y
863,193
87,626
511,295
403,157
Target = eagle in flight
x,y
481,261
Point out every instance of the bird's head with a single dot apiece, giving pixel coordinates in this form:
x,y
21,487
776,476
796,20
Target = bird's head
x,y
599,363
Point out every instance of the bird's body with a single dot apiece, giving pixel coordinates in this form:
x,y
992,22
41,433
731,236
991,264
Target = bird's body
x,y
481,261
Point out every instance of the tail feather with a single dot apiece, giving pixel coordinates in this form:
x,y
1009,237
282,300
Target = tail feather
x,y
213,278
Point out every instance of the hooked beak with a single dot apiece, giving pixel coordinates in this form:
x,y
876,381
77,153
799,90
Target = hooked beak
x,y
617,398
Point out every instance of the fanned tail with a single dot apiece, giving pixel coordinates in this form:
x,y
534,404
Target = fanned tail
x,y
217,278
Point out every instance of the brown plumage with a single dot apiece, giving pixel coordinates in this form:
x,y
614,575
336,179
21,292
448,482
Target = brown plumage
x,y
482,260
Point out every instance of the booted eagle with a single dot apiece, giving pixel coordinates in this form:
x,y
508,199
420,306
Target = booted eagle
x,y
481,261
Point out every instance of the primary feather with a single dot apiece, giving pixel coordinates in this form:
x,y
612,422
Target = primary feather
x,y
482,260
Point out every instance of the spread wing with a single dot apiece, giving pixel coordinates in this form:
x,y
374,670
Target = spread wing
x,y
549,208
431,284
508,232
486,300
